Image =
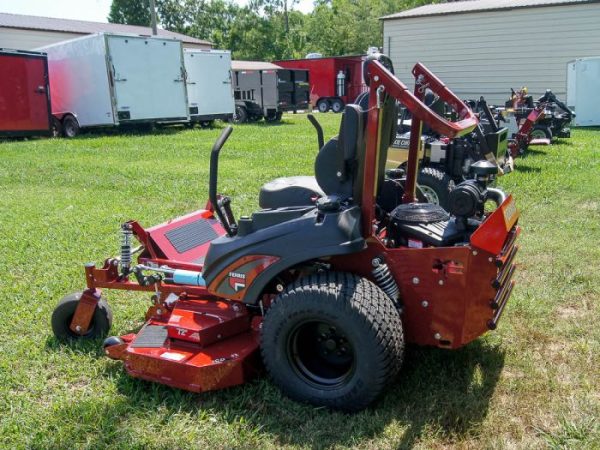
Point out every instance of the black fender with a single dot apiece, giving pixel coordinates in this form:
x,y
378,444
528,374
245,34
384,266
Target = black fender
x,y
311,236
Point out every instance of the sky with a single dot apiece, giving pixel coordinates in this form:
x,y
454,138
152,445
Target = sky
x,y
94,10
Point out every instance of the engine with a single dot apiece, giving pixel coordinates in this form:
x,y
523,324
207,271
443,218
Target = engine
x,y
419,225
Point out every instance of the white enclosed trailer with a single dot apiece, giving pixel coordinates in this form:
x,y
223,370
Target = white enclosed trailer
x,y
210,95
109,80
583,90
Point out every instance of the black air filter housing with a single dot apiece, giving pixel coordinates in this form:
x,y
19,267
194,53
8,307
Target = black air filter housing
x,y
421,224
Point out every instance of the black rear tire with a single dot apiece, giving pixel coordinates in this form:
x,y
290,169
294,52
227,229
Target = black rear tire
x,y
435,185
63,313
541,132
334,340
70,126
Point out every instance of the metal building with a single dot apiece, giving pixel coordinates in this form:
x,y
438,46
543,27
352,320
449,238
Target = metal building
x,y
485,47
29,32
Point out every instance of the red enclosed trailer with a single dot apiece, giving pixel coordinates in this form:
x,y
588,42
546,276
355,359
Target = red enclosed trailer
x,y
24,94
334,81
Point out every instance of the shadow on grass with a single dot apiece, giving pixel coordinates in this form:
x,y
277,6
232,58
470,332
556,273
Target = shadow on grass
x,y
534,150
445,392
92,347
527,169
565,142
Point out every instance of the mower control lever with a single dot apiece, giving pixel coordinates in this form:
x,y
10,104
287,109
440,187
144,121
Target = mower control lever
x,y
319,129
230,228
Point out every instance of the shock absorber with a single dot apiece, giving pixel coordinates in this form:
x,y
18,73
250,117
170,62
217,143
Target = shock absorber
x,y
126,235
385,280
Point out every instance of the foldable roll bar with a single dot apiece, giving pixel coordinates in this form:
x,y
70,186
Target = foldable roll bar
x,y
380,79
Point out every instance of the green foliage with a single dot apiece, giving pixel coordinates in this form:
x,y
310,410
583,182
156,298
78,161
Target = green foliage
x,y
130,12
271,29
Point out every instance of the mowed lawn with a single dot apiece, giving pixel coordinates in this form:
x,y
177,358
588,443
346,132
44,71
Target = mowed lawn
x,y
535,382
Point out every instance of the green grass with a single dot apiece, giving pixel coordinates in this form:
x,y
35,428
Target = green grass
x,y
533,383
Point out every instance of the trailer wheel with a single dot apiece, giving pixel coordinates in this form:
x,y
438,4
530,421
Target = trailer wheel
x,y
337,105
63,313
334,340
240,115
207,123
323,105
70,126
272,118
56,127
541,132
435,186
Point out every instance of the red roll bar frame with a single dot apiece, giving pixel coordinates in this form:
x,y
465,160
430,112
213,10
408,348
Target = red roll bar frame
x,y
382,79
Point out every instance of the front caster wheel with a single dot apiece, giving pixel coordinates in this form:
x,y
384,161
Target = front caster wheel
x,y
63,314
332,340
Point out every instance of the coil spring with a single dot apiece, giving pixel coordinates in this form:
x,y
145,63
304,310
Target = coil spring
x,y
385,280
126,234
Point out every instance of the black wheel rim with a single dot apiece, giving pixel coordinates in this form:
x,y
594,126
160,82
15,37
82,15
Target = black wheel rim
x,y
321,354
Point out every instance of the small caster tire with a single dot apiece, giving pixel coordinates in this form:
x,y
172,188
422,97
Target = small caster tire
x,y
63,314
112,340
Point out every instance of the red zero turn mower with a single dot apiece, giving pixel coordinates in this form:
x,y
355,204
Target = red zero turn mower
x,y
524,136
325,283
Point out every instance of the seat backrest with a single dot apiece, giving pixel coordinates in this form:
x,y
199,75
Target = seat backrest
x,y
336,166
339,167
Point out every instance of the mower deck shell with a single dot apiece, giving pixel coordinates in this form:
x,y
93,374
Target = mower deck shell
x,y
201,346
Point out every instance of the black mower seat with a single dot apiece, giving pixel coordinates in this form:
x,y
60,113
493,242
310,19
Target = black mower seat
x,y
334,168
289,191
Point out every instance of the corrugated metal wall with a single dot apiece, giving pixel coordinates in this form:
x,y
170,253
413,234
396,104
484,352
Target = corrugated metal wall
x,y
30,39
487,53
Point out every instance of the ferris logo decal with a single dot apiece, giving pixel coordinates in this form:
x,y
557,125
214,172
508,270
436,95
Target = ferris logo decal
x,y
237,281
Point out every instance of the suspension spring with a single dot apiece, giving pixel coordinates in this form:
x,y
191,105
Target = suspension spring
x,y
126,253
385,280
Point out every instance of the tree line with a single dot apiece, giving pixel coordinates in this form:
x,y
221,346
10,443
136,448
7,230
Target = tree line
x,y
267,30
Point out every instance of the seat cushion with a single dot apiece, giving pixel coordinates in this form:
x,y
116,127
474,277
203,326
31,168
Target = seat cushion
x,y
289,191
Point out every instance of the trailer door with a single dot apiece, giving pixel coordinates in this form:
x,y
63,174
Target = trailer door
x,y
149,78
209,83
24,105
269,93
587,94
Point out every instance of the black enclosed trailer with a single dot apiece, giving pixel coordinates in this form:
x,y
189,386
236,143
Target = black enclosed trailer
x,y
294,89
265,90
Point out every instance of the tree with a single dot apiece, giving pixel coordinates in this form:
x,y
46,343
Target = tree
x,y
130,12
339,27
270,29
